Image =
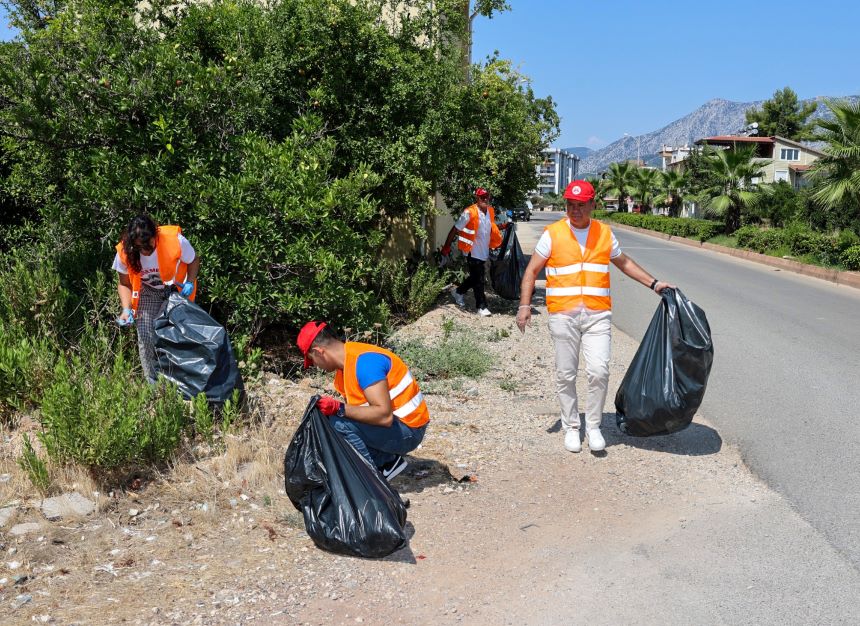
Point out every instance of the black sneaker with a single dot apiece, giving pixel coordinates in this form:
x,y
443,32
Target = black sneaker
x,y
393,468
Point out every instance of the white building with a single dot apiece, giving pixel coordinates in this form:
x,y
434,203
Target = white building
x,y
556,170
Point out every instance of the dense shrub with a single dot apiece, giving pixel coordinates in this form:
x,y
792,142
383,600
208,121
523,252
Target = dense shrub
x,y
676,226
105,417
32,297
26,369
850,258
760,239
779,205
281,136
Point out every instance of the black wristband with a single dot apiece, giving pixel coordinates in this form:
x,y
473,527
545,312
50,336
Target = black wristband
x,y
653,284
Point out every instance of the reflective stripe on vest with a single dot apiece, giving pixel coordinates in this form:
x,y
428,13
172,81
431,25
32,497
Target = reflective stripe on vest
x,y
575,278
170,266
407,401
468,234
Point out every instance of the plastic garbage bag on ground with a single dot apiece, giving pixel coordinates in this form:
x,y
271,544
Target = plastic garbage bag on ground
x,y
666,380
349,508
506,272
194,351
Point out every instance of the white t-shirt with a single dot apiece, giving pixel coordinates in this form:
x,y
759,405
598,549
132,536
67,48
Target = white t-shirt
x,y
149,270
544,244
481,247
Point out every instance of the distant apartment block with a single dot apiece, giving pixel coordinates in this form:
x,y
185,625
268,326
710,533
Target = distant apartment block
x,y
556,170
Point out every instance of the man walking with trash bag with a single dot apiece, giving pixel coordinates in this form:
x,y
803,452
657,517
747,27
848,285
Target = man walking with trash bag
x,y
576,252
385,415
477,233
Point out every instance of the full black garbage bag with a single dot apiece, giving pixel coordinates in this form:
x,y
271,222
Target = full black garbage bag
x,y
666,380
348,507
506,272
194,351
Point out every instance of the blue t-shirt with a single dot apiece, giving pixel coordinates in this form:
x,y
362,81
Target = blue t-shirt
x,y
371,367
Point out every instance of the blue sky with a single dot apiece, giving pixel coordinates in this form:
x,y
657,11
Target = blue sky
x,y
626,66
622,66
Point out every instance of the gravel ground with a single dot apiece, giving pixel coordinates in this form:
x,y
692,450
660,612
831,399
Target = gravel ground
x,y
506,526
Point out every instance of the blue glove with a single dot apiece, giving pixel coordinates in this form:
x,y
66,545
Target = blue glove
x,y
129,320
187,289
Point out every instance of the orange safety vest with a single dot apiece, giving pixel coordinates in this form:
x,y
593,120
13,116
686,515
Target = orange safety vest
x,y
574,278
407,401
466,238
169,255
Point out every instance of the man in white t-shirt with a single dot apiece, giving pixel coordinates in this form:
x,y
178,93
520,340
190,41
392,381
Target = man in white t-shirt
x,y
476,233
576,252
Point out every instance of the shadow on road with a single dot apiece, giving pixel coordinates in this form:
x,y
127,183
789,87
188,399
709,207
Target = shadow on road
x,y
695,440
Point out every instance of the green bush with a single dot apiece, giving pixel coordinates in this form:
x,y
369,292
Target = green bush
x,y
283,137
675,226
851,258
847,239
746,236
460,355
801,240
411,289
34,467
107,418
26,369
32,297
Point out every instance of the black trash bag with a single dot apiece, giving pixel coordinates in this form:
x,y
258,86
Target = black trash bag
x,y
506,272
666,380
194,351
349,508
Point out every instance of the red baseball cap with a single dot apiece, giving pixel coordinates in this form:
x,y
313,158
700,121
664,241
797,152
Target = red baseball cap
x,y
579,190
480,192
307,335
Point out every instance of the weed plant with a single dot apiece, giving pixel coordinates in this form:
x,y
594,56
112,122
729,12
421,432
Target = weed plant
x,y
106,419
460,355
34,467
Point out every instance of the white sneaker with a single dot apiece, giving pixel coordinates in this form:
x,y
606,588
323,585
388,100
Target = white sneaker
x,y
484,312
595,440
572,442
458,298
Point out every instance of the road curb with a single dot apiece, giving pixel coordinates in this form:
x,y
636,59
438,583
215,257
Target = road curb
x,y
847,279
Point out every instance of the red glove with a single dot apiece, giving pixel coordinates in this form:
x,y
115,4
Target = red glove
x,y
445,250
330,406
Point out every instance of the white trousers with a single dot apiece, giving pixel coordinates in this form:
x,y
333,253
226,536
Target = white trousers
x,y
590,330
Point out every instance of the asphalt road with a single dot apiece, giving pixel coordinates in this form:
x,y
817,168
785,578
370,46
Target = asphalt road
x,y
785,385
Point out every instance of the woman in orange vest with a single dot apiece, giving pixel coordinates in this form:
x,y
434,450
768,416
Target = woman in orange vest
x,y
148,258
477,234
576,252
385,415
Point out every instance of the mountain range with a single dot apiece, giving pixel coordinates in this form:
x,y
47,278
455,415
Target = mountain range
x,y
715,117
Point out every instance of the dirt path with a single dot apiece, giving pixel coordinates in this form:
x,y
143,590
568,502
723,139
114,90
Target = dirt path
x,y
664,530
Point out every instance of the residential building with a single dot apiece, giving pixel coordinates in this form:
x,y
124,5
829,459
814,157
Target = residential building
x,y
674,154
784,159
558,168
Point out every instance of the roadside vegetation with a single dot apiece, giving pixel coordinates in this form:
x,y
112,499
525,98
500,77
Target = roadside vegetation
x,y
817,224
291,140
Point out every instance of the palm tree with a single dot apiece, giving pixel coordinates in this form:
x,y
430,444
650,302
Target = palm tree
x,y
619,181
645,185
599,185
673,187
733,191
836,176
